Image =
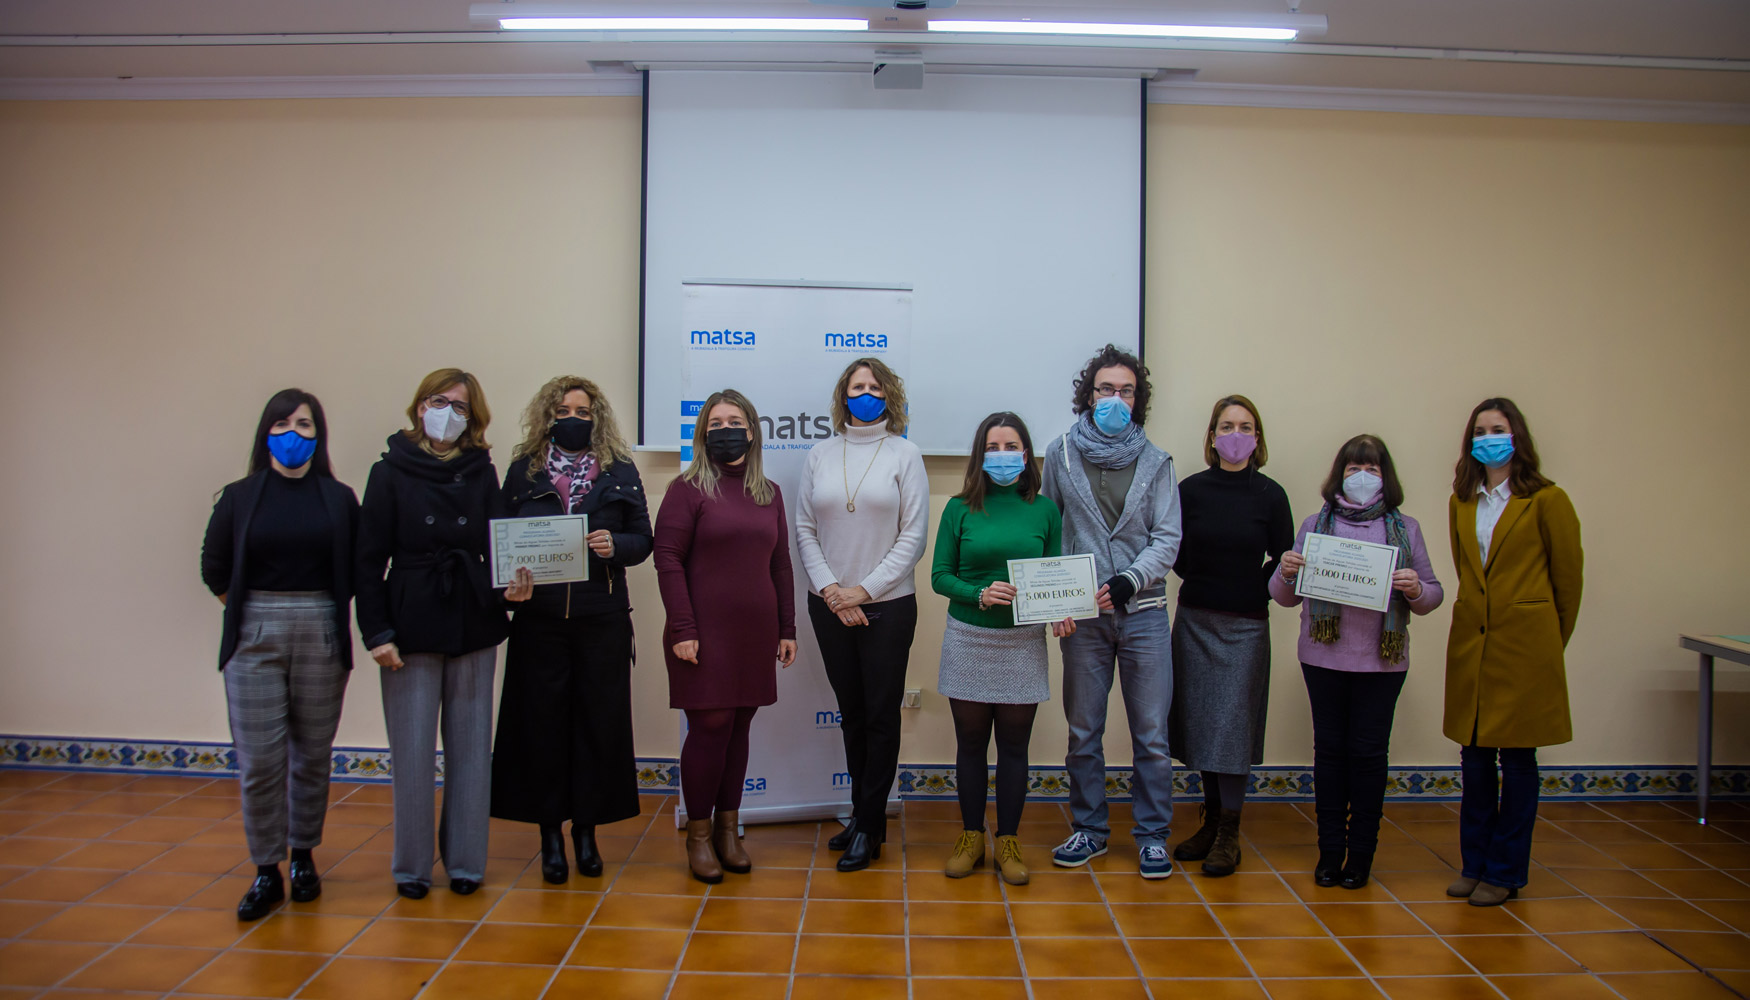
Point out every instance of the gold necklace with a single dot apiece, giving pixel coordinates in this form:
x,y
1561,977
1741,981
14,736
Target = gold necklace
x,y
850,494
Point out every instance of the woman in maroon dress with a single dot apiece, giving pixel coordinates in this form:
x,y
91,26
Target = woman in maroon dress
x,y
723,564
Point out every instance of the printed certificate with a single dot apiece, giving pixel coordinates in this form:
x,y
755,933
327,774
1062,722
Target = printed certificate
x,y
1050,590
551,547
1345,571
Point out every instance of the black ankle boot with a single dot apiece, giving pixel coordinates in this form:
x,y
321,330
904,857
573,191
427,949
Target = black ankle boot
x,y
589,860
263,893
1328,870
1196,847
842,839
306,884
862,849
553,867
1356,870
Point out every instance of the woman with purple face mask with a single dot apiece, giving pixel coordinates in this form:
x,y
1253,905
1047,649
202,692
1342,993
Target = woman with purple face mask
x,y
1237,524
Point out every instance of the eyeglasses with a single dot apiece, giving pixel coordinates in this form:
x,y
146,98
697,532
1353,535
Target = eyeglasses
x,y
1107,392
444,402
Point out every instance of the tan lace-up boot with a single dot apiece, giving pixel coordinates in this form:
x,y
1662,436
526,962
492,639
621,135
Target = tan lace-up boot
x,y
1009,863
968,854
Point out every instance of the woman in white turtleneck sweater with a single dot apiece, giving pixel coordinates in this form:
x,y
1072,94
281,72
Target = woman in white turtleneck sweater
x,y
861,523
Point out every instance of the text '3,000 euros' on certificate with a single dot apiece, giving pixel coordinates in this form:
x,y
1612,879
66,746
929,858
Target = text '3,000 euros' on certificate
x,y
1345,571
550,548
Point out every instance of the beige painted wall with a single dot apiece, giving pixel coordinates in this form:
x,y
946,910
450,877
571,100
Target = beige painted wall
x,y
165,266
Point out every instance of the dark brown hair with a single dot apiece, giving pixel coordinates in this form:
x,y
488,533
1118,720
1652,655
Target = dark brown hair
x,y
1522,475
1112,356
973,489
1260,455
1364,449
281,405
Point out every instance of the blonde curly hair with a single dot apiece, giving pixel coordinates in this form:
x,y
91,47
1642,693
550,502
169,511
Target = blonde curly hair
x,y
605,441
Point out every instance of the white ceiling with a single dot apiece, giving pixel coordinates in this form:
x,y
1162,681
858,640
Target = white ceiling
x,y
367,38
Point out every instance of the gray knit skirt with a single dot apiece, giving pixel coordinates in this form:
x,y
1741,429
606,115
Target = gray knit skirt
x,y
1004,666
1221,690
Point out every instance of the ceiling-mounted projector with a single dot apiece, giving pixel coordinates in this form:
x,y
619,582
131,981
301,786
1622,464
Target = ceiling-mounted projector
x,y
894,4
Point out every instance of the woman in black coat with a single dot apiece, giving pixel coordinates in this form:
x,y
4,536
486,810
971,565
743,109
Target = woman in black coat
x,y
434,623
278,556
565,717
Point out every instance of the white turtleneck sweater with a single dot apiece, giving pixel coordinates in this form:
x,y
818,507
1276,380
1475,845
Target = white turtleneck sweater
x,y
877,546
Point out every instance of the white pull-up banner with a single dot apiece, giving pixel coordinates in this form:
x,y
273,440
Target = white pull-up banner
x,y
783,344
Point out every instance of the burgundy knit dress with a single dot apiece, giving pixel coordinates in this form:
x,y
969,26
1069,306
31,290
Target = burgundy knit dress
x,y
723,566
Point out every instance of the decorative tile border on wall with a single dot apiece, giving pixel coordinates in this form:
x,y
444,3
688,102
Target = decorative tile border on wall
x,y
924,781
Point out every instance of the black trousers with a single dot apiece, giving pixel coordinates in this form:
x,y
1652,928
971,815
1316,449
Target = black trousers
x,y
866,667
564,746
1352,715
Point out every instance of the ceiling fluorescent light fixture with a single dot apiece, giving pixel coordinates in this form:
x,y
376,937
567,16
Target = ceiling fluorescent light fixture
x,y
1255,34
683,24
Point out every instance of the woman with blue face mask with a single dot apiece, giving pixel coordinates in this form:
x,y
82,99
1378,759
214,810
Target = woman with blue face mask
x,y
1354,660
862,518
1516,542
993,671
278,556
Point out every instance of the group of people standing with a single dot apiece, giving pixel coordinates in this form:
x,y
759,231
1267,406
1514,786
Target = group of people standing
x,y
289,547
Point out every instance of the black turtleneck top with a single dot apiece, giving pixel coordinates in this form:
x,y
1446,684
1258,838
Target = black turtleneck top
x,y
1237,525
291,543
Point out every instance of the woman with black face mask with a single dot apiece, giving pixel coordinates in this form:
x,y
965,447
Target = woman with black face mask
x,y
278,556
723,564
564,749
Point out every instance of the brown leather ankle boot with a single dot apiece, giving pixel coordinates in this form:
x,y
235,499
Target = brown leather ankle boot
x,y
1224,853
700,857
726,837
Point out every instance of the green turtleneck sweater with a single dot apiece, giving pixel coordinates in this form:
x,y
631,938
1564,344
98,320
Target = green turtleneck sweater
x,y
973,549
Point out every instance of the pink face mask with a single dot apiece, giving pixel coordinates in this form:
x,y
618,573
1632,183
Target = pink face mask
x,y
1235,448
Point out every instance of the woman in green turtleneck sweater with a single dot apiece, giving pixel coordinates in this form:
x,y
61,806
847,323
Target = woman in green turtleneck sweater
x,y
993,671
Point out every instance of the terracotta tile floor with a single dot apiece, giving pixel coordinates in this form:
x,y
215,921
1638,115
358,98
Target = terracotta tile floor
x,y
114,885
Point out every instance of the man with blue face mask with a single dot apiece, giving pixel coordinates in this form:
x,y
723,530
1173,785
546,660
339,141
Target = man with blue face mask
x,y
1120,502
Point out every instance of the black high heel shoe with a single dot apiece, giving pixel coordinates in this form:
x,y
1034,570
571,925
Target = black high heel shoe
x,y
1356,871
263,893
842,839
862,850
589,859
554,871
1328,871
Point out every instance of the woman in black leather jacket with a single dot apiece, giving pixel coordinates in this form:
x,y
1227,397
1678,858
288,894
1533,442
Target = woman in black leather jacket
x,y
564,749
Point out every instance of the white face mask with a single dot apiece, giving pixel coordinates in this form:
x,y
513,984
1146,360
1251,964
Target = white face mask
x,y
1362,487
444,426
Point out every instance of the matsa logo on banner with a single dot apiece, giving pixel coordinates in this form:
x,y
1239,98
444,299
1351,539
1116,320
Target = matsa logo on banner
x,y
784,347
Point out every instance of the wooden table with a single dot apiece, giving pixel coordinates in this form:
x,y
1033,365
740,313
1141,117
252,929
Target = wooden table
x,y
1732,648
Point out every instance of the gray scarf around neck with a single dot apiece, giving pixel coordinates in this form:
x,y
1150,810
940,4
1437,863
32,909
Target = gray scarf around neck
x,y
1104,450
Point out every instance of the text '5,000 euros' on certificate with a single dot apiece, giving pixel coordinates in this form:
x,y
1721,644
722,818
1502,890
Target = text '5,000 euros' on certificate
x,y
1054,588
1345,571
550,548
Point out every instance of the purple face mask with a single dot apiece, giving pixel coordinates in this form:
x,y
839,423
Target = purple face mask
x,y
1235,448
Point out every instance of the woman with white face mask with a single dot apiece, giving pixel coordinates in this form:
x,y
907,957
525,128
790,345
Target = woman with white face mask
x,y
433,624
1354,660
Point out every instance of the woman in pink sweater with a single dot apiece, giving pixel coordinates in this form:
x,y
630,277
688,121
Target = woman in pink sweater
x,y
1353,659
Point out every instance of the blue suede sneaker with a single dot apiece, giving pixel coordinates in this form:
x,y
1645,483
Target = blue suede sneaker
x,y
1154,861
1077,851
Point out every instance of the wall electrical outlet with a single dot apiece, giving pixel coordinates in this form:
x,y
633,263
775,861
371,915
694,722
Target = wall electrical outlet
x,y
914,698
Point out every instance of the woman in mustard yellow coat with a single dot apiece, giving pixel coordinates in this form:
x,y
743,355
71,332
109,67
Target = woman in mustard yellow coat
x,y
1516,542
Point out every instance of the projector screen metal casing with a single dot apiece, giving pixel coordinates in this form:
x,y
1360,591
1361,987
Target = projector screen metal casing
x,y
1011,205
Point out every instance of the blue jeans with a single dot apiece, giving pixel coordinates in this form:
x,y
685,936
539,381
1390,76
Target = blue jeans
x,y
1140,645
1494,835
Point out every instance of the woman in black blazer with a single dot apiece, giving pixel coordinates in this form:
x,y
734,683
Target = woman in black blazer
x,y
278,555
434,623
564,747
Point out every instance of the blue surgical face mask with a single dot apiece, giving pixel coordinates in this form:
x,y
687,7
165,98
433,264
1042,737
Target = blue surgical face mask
x,y
1493,450
1111,415
291,448
868,407
1004,467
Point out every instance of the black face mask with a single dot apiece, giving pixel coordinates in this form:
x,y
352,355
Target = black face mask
x,y
726,444
572,433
